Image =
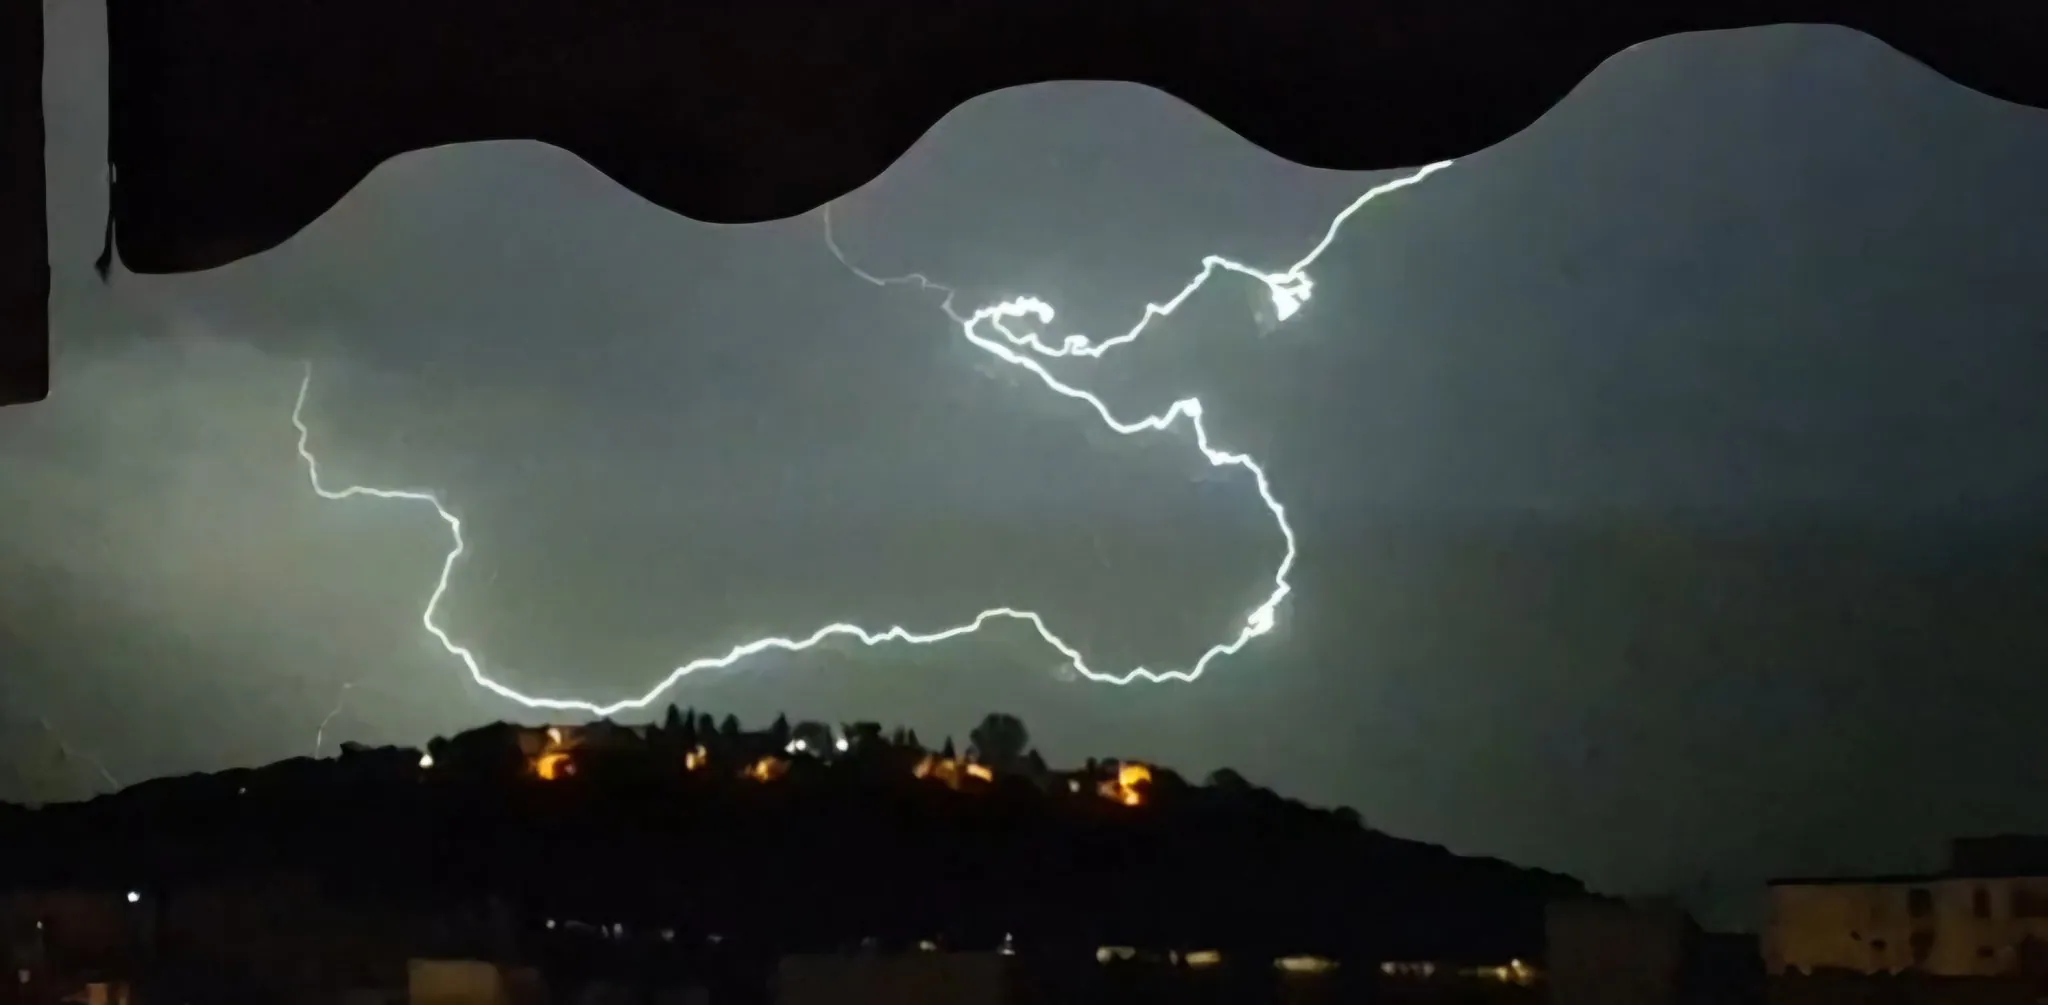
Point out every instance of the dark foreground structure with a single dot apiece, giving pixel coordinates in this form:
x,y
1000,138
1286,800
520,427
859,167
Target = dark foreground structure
x,y
697,853
235,123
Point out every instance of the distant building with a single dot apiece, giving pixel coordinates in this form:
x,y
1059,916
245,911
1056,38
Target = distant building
x,y
469,982
925,978
1941,924
1608,952
1986,916
1602,951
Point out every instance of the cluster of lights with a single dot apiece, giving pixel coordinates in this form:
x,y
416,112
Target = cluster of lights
x,y
1194,959
1203,959
555,759
1127,786
953,772
1512,972
1305,964
993,329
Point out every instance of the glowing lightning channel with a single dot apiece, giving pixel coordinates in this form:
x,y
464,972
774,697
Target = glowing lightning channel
x,y
1289,290
70,753
320,731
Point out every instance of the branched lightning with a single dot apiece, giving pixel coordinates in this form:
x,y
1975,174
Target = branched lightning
x,y
1289,289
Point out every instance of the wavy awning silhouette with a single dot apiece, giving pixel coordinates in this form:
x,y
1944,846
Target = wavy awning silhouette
x,y
236,122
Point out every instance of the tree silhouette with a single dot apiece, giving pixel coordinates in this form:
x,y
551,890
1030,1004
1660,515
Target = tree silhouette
x,y
815,736
484,754
1000,741
1300,876
1228,780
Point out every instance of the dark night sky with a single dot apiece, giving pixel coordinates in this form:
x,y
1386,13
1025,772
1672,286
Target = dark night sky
x,y
1669,478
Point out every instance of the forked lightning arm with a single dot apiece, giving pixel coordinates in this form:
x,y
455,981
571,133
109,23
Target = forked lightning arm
x,y
1288,288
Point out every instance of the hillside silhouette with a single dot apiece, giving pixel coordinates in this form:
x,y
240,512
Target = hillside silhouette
x,y
804,837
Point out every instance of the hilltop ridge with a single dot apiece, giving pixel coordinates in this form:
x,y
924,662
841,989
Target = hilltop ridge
x,y
804,836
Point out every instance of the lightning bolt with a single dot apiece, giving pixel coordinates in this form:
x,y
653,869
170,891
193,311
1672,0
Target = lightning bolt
x,y
320,731
70,753
1289,289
